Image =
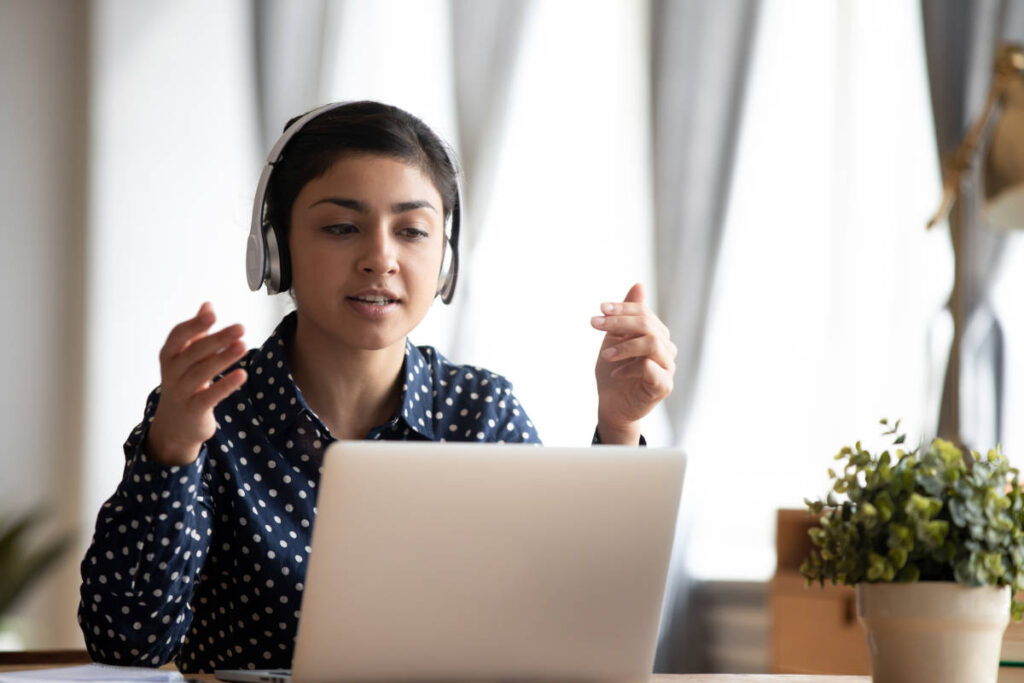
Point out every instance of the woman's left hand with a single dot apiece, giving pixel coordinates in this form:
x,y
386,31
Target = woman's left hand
x,y
634,368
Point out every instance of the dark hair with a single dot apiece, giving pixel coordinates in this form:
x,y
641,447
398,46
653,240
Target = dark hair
x,y
357,127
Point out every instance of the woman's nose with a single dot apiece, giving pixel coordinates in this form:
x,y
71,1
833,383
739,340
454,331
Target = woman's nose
x,y
379,256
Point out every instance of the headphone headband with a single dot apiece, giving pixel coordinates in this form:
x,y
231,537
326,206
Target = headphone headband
x,y
265,255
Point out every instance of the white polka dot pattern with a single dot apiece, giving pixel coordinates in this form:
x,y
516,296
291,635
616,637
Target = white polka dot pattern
x,y
205,563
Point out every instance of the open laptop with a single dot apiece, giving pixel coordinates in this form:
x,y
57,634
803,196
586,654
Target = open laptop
x,y
435,561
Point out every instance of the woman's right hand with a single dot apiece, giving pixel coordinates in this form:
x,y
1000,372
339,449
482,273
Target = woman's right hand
x,y
189,361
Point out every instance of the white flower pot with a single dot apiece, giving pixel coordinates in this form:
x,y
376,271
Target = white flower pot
x,y
933,631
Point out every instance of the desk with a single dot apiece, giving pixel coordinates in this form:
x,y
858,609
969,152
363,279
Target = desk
x,y
657,678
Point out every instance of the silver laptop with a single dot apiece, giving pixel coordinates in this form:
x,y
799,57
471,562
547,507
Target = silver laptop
x,y
447,561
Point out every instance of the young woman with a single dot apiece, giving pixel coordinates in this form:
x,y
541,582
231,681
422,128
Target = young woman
x,y
200,554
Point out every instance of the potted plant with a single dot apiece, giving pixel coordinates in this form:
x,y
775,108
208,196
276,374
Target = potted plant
x,y
933,541
22,563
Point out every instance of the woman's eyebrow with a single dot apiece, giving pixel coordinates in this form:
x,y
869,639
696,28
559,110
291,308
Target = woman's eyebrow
x,y
402,207
361,207
353,204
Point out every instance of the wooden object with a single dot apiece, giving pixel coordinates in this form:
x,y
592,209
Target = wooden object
x,y
43,657
656,678
814,629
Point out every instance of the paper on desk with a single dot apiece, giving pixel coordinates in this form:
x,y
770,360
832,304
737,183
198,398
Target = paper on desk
x,y
93,672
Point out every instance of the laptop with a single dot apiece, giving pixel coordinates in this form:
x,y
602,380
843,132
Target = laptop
x,y
435,561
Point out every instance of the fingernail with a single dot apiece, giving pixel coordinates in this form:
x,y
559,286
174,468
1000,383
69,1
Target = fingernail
x,y
205,315
607,308
610,352
597,321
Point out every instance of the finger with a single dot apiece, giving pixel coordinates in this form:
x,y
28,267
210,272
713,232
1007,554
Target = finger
x,y
634,299
630,325
657,382
183,333
629,308
641,347
202,373
200,349
635,294
631,369
221,389
625,308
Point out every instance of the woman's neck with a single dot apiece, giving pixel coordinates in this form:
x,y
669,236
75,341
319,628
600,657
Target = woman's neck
x,y
350,390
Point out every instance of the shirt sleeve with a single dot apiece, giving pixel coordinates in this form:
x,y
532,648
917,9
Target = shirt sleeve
x,y
493,412
512,424
150,542
596,440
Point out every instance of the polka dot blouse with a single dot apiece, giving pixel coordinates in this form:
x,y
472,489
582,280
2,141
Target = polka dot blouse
x,y
205,563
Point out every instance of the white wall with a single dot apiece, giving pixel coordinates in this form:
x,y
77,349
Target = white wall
x,y
43,45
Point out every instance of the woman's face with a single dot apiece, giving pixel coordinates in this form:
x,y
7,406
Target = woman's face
x,y
366,243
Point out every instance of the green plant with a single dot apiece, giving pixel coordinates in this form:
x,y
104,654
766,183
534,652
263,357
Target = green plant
x,y
20,566
936,515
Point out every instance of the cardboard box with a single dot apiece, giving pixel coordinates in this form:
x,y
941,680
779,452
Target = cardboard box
x,y
814,629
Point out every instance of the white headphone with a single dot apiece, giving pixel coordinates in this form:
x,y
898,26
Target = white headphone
x,y
266,261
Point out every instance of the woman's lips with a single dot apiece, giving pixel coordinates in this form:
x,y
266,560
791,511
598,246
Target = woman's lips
x,y
377,299
374,307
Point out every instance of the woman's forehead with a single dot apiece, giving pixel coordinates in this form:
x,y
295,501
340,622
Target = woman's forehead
x,y
374,177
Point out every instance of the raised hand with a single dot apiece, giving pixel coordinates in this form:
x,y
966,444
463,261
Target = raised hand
x,y
189,361
634,368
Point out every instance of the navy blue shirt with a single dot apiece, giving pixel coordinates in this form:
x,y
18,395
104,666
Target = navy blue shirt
x,y
205,563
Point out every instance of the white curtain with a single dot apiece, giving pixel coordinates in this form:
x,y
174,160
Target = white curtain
x,y
699,64
486,41
827,279
568,223
288,50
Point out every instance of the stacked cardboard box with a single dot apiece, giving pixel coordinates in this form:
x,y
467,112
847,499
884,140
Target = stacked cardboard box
x,y
814,629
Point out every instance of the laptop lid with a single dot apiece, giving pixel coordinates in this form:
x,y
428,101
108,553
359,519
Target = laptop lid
x,y
468,561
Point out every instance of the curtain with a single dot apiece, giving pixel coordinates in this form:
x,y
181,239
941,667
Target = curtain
x,y
960,42
486,39
288,51
700,55
288,56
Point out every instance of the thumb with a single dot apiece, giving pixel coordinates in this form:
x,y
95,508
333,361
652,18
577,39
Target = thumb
x,y
635,294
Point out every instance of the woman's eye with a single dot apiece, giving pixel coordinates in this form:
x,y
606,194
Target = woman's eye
x,y
414,233
339,229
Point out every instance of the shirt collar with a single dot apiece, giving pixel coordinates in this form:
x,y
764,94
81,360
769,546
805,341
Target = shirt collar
x,y
417,392
272,391
280,402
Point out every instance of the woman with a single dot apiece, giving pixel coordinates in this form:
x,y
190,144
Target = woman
x,y
200,554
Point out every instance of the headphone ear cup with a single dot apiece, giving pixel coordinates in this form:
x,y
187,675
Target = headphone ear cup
x,y
445,276
450,261
279,266
449,271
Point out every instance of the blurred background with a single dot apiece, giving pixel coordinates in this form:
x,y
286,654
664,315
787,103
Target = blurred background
x,y
765,167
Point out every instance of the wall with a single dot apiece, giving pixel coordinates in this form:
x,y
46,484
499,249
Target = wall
x,y
43,133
